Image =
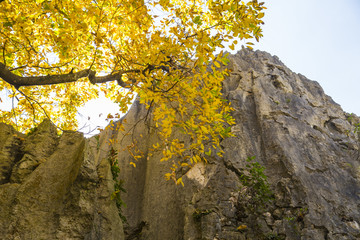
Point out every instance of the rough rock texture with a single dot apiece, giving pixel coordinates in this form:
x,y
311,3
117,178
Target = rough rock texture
x,y
55,187
9,144
59,188
298,133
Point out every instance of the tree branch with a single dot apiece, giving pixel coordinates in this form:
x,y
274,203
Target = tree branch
x,y
18,81
31,99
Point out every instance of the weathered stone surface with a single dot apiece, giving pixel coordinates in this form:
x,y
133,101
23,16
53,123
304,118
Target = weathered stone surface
x,y
10,143
298,133
303,138
36,148
40,197
65,194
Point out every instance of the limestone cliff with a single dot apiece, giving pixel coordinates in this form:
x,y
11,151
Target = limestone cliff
x,y
54,187
59,187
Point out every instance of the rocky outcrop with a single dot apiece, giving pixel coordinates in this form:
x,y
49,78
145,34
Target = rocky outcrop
x,y
301,136
54,188
9,144
59,187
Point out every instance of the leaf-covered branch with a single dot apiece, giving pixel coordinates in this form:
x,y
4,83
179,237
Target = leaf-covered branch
x,y
158,50
19,81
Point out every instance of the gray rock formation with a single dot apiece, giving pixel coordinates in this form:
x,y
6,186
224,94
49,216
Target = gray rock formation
x,y
59,188
55,187
298,133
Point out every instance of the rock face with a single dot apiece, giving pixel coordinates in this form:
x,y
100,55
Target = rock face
x,y
54,187
298,133
59,188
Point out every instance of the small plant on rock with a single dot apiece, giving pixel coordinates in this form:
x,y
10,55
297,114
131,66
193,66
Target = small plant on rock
x,y
118,185
273,236
255,190
199,213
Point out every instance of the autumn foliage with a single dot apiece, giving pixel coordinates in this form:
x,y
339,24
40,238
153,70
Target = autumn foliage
x,y
57,55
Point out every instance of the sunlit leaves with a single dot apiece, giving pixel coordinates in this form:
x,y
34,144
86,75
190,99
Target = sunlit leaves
x,y
165,48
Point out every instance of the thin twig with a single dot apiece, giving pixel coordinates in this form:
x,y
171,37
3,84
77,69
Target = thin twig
x,y
13,109
29,98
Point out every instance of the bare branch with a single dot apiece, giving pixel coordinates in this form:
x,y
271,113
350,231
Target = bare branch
x,y
31,99
18,81
13,110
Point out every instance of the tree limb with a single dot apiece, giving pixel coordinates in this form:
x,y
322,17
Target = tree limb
x,y
18,81
31,99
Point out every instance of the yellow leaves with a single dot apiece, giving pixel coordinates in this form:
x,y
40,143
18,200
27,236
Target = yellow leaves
x,y
168,176
133,164
260,15
242,227
179,181
184,165
232,46
195,159
248,45
166,64
217,64
208,153
204,129
167,155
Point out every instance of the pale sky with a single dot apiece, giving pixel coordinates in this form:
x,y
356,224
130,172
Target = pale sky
x,y
321,40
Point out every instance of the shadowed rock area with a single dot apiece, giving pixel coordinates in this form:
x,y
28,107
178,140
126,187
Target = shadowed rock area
x,y
54,187
59,187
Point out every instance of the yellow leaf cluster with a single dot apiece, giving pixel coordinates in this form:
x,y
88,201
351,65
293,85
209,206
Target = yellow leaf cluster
x,y
161,51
